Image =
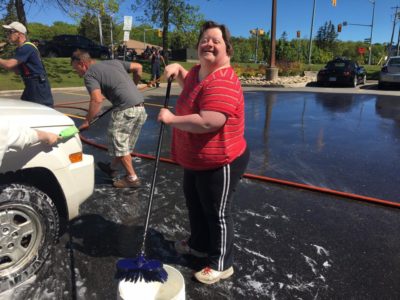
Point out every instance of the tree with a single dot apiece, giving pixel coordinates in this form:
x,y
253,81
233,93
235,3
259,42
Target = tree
x,y
89,27
11,13
326,36
162,13
75,8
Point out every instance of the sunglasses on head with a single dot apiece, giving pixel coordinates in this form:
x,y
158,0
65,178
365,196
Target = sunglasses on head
x,y
75,58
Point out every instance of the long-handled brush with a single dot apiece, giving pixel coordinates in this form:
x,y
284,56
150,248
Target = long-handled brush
x,y
72,130
140,268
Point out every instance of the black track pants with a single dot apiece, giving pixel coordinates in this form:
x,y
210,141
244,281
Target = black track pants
x,y
209,199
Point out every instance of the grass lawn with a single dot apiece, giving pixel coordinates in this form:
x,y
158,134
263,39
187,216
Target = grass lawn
x,y
61,73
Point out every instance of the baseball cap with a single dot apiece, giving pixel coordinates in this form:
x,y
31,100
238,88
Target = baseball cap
x,y
17,26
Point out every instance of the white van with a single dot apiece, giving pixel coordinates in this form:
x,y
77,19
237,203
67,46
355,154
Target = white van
x,y
41,188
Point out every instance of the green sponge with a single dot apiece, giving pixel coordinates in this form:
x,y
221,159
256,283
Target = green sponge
x,y
69,132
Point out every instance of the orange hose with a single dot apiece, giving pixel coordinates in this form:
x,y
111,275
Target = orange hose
x,y
323,190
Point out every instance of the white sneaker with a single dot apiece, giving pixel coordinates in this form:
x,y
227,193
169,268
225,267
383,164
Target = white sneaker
x,y
183,248
210,276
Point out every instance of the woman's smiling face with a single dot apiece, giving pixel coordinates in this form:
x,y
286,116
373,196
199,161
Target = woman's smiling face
x,y
212,49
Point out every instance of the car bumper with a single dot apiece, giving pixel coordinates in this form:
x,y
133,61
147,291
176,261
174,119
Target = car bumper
x,y
389,77
335,79
72,178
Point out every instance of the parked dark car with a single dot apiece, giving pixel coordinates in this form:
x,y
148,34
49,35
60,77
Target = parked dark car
x,y
64,45
341,71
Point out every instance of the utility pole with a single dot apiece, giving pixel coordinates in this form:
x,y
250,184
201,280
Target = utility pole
x,y
272,71
398,43
111,36
311,32
391,39
100,30
372,27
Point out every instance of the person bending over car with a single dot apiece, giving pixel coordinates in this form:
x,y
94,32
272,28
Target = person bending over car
x,y
110,80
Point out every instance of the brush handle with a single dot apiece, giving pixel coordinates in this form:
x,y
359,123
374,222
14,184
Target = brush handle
x,y
98,117
153,182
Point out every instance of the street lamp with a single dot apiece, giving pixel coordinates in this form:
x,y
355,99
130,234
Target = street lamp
x,y
257,32
368,25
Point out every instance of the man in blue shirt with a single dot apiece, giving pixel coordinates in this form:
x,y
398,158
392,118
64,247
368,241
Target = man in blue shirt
x,y
28,63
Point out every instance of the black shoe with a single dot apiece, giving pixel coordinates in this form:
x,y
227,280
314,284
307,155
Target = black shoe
x,y
106,168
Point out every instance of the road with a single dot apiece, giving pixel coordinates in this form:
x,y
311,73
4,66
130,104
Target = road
x,y
290,243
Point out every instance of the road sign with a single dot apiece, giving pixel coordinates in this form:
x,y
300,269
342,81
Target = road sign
x,y
126,36
127,23
361,50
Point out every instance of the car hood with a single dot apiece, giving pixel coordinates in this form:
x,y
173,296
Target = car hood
x,y
32,114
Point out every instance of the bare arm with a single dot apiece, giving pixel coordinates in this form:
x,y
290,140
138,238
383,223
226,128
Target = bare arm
x,y
8,64
96,101
137,70
203,122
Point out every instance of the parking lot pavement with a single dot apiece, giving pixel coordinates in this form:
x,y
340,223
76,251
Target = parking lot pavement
x,y
290,243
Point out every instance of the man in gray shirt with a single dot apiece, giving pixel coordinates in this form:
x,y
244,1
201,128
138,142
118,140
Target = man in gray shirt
x,y
110,80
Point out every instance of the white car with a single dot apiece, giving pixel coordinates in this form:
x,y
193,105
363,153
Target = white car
x,y
390,72
41,188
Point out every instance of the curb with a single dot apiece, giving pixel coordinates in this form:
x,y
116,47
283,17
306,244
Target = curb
x,y
76,88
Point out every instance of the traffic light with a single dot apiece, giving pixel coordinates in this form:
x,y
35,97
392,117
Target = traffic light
x,y
253,31
261,32
159,32
339,28
298,33
333,2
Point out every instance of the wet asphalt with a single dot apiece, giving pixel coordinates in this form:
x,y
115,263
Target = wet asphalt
x,y
291,243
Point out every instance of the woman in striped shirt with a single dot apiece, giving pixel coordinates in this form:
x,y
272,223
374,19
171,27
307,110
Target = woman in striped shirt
x,y
208,142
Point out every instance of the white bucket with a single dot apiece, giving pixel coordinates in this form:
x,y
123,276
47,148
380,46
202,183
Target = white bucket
x,y
172,289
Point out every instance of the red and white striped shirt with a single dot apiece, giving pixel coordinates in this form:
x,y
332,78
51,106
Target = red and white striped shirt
x,y
222,92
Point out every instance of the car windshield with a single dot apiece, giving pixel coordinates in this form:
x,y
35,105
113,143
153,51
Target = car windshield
x,y
394,61
336,65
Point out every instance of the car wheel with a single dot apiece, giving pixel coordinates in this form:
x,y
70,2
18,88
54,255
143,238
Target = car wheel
x,y
364,80
104,56
28,230
355,81
52,54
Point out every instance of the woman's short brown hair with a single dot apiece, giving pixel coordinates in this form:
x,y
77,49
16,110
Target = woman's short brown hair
x,y
226,35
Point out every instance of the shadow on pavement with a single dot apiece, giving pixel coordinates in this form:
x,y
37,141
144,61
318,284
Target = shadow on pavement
x,y
95,236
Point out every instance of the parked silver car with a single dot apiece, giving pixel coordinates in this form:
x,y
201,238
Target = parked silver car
x,y
41,188
390,72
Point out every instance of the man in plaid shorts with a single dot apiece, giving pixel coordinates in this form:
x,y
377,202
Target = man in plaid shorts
x,y
110,80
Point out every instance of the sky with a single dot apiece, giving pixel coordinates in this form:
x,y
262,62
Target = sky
x,y
292,15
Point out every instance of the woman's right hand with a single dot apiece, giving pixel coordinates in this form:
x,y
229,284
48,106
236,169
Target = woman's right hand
x,y
172,70
177,71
